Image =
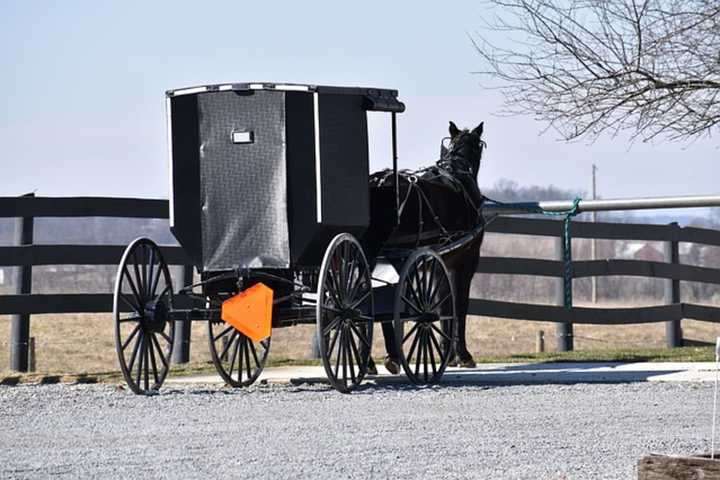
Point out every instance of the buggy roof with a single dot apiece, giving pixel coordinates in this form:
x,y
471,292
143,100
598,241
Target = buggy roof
x,y
378,99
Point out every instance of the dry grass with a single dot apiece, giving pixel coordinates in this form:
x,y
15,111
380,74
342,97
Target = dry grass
x,y
84,343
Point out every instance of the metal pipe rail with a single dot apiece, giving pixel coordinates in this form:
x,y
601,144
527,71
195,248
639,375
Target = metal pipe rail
x,y
520,208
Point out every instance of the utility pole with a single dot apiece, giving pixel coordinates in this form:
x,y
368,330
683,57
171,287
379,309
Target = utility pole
x,y
593,244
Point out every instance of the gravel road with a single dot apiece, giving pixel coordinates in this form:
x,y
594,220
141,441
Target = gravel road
x,y
581,431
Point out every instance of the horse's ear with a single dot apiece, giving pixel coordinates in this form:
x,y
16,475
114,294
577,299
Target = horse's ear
x,y
479,129
454,130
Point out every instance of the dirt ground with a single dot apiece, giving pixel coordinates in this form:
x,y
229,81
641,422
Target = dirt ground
x,y
84,343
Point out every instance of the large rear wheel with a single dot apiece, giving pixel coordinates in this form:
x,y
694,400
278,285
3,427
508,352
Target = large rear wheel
x,y
142,303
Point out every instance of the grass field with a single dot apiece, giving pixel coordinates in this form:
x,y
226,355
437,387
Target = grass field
x,y
85,344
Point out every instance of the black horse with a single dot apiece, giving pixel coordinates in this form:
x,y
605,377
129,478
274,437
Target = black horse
x,y
438,205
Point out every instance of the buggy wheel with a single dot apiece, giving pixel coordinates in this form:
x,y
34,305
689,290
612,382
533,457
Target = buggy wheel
x,y
425,322
345,313
238,359
142,303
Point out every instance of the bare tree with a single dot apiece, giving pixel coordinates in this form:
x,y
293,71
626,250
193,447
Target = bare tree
x,y
587,67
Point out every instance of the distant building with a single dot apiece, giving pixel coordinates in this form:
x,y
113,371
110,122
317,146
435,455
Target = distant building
x,y
641,251
649,253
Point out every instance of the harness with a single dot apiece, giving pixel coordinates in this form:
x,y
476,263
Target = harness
x,y
451,171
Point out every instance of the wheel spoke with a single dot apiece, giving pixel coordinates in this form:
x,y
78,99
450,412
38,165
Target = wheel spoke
x,y
412,305
254,354
434,285
339,354
360,335
362,365
440,302
224,332
419,353
166,337
331,345
155,281
345,357
151,267
232,356
413,292
136,348
164,361
332,325
360,280
349,356
332,309
332,289
133,287
425,355
248,368
442,334
362,299
130,337
413,345
431,353
134,318
434,340
422,274
146,366
241,356
140,362
413,329
134,307
138,277
226,347
153,362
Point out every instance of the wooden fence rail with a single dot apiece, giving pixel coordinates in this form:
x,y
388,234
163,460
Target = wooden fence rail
x,y
25,254
673,312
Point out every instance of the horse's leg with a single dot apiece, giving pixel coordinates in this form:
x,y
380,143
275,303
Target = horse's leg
x,y
392,361
463,280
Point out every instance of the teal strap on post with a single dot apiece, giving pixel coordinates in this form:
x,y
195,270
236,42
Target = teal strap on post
x,y
566,239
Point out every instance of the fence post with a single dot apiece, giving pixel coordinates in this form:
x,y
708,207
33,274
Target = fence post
x,y
183,328
539,341
314,346
32,359
563,331
673,328
20,323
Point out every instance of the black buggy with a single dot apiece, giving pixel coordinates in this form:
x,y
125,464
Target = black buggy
x,y
270,200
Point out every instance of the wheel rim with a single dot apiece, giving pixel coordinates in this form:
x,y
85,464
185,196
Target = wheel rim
x,y
345,313
425,323
237,359
142,302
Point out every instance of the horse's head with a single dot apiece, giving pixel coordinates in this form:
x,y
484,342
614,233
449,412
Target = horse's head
x,y
465,149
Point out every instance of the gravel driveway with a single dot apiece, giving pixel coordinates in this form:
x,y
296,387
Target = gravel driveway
x,y
581,431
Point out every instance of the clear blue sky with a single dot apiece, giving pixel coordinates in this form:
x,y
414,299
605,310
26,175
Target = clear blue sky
x,y
82,91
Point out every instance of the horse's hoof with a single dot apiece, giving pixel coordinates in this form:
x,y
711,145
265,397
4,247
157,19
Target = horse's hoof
x,y
391,365
465,361
371,368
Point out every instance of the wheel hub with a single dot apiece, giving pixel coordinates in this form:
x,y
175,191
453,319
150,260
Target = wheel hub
x,y
429,317
155,316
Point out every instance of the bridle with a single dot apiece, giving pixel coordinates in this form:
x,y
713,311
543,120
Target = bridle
x,y
453,162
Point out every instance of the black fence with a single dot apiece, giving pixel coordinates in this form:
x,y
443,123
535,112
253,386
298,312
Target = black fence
x,y
672,312
25,254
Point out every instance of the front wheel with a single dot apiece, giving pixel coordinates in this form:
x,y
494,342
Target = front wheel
x,y
238,359
425,322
